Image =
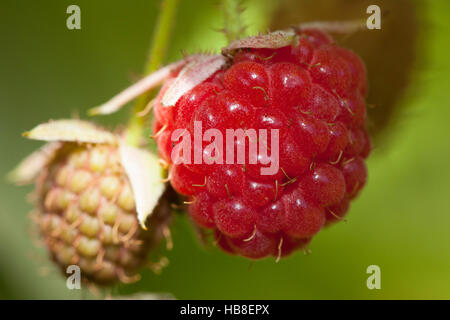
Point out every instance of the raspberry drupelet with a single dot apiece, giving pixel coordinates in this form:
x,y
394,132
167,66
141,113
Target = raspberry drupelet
x,y
314,93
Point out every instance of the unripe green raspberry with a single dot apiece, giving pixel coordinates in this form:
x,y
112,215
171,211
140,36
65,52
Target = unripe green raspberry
x,y
87,215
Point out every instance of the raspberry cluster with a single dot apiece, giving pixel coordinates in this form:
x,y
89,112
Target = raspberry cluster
x,y
314,93
87,216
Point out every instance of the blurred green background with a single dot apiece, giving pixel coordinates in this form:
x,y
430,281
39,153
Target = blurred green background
x,y
401,222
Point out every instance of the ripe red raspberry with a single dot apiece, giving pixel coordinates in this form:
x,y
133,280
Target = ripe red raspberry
x,y
313,92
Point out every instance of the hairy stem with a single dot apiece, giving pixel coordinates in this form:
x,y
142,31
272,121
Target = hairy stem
x,y
234,26
156,57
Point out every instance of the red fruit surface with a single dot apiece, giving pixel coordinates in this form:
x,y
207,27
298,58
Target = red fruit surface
x,y
313,93
302,217
325,184
337,211
234,217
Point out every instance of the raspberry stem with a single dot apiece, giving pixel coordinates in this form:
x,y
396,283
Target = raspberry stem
x,y
234,26
155,58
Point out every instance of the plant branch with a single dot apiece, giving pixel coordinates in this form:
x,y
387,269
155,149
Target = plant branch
x,y
155,59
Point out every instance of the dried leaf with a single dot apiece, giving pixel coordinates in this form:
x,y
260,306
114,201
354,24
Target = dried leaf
x,y
272,40
194,73
71,130
27,171
145,175
149,82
